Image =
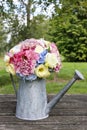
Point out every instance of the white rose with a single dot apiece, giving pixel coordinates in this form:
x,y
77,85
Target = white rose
x,y
39,49
51,60
47,43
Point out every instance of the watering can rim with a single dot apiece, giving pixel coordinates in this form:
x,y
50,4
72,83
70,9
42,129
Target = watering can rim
x,y
79,74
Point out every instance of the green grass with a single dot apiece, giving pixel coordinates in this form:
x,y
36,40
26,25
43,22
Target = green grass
x,y
65,75
54,83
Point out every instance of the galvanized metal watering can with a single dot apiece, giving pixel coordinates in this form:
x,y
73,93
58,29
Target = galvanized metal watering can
x,y
32,98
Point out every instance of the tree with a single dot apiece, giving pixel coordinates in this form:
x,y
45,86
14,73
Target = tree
x,y
2,37
22,21
69,30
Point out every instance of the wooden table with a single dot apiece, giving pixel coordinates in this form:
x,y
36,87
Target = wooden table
x,y
69,114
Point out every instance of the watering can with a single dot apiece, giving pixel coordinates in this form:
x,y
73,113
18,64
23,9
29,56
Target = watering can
x,y
32,98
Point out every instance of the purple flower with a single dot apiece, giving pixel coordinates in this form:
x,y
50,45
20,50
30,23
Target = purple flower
x,y
42,57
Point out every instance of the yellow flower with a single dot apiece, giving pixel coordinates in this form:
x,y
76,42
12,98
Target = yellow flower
x,y
42,71
46,64
6,58
10,69
39,49
51,60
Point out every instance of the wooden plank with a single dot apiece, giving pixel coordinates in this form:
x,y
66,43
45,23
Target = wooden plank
x,y
67,101
69,112
61,124
67,97
9,97
54,112
51,120
43,127
71,98
73,104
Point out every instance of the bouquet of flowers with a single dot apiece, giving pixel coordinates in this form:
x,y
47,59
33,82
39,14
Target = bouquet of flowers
x,y
33,58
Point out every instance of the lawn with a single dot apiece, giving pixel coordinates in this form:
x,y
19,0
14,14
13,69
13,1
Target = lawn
x,y
54,83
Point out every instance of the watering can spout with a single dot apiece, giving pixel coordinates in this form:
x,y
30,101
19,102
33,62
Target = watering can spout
x,y
56,99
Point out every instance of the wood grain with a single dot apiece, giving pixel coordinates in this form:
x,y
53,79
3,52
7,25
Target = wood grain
x,y
69,114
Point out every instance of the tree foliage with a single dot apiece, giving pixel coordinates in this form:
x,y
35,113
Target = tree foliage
x,y
69,30
67,25
2,36
21,20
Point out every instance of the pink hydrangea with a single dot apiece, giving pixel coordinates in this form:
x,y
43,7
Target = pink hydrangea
x,y
25,61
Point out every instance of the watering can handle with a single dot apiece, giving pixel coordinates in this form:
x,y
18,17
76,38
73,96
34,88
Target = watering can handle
x,y
13,83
